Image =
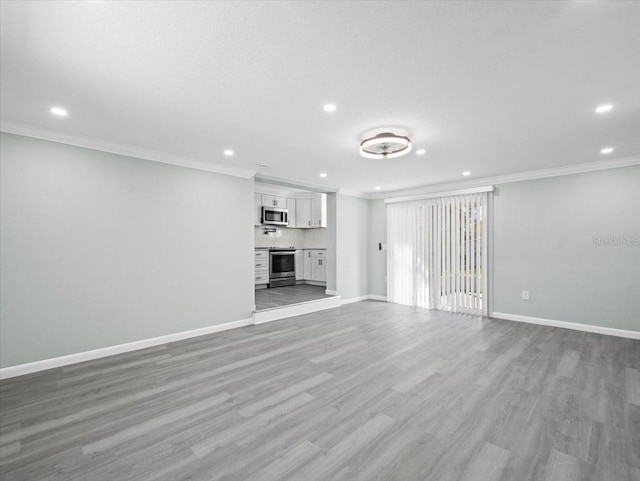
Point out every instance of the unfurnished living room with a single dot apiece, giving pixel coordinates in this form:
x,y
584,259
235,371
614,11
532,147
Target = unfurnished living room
x,y
320,240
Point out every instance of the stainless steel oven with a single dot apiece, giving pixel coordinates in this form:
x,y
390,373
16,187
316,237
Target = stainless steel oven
x,y
282,267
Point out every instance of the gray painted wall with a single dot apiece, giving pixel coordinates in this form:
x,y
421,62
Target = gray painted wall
x,y
544,242
377,258
331,242
99,249
352,246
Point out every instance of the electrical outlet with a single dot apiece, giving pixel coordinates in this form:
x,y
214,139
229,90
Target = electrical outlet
x,y
525,295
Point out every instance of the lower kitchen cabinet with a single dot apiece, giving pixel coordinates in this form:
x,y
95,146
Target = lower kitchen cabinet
x,y
261,267
299,264
315,265
318,270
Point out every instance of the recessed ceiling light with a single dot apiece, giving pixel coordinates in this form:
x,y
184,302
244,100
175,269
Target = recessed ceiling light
x,y
606,150
58,111
329,108
466,172
604,108
378,187
323,174
421,151
228,152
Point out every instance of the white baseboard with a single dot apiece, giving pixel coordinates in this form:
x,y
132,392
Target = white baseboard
x,y
354,299
21,369
331,293
609,331
277,313
374,297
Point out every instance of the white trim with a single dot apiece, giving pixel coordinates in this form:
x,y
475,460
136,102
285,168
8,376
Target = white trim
x,y
294,184
435,195
375,297
276,313
508,178
609,331
351,300
331,293
21,369
121,148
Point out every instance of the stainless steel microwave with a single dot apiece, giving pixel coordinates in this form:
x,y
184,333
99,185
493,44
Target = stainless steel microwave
x,y
275,216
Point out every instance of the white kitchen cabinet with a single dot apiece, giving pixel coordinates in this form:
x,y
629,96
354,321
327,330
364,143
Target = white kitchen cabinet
x,y
311,212
258,210
317,219
315,265
261,266
303,213
318,269
274,201
307,265
299,264
291,207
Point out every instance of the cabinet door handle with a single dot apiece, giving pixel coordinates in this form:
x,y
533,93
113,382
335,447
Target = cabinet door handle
x,y
309,223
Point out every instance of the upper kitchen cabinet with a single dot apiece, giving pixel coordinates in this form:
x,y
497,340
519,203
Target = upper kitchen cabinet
x,y
303,213
291,207
307,210
318,212
274,201
258,209
311,212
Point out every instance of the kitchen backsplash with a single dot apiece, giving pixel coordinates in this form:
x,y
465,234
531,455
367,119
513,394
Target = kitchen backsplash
x,y
298,238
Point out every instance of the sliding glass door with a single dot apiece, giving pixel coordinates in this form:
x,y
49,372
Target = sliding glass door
x,y
437,253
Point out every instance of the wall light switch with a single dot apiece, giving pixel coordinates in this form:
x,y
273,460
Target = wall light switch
x,y
525,295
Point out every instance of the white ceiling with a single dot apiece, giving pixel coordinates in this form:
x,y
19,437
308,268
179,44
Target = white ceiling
x,y
493,88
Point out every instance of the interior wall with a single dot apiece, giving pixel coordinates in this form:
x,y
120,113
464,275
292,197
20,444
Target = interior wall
x,y
331,241
99,249
574,243
377,257
352,246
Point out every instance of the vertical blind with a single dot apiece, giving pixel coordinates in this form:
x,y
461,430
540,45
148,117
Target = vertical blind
x,y
437,253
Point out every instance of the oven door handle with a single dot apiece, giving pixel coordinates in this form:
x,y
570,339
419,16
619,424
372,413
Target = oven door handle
x,y
282,253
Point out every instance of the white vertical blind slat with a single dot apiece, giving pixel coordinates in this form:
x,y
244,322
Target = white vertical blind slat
x,y
437,253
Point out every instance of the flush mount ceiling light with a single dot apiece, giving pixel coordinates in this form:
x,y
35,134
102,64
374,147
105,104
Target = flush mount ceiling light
x,y
385,146
228,153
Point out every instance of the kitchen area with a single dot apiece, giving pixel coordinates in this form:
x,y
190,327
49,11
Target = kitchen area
x,y
290,246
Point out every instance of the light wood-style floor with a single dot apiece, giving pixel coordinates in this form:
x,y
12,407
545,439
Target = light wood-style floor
x,y
283,296
369,391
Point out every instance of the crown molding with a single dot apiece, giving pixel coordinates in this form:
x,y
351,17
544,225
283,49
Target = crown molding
x,y
294,184
508,178
121,148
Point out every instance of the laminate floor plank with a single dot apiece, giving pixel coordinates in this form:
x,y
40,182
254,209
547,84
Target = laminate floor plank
x,y
365,392
269,298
